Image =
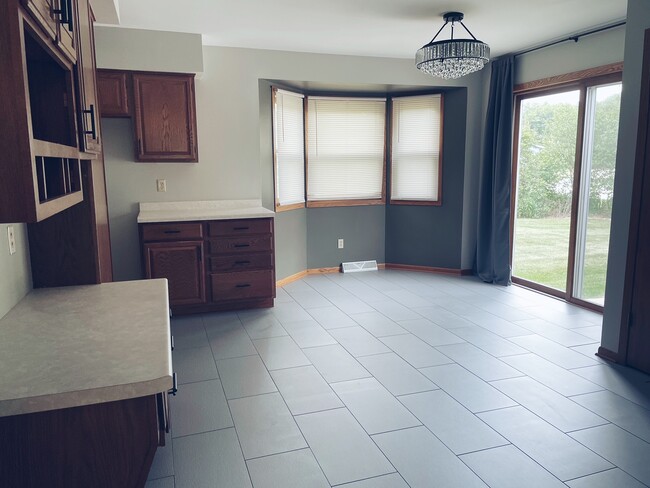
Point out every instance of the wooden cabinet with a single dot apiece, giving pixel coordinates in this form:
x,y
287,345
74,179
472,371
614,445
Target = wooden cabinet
x,y
57,19
181,262
113,97
237,272
165,122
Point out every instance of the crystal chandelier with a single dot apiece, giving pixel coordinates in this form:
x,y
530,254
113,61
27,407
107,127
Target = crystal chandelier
x,y
452,58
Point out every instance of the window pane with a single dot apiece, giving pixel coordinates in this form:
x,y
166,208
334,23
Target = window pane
x,y
547,147
345,148
596,191
288,140
415,148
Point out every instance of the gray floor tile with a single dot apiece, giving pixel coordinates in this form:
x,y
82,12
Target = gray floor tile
x,y
551,448
290,312
624,413
563,336
231,342
607,479
373,406
508,467
265,425
163,461
393,310
343,449
280,353
556,409
210,459
194,364
397,376
549,374
245,376
305,390
593,332
590,351
424,461
432,334
296,469
262,327
335,363
491,343
471,391
407,298
415,351
199,407
160,483
443,317
393,480
377,324
628,452
351,304
188,331
309,333
621,381
554,352
310,299
281,296
458,428
331,318
497,325
479,362
217,321
358,341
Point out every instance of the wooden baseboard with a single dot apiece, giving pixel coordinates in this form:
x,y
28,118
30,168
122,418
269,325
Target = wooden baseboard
x,y
314,271
607,354
291,279
428,269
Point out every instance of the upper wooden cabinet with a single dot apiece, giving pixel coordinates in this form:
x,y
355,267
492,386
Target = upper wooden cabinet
x,y
113,93
89,116
165,119
58,19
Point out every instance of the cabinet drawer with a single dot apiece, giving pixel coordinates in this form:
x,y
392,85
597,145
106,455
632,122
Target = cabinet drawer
x,y
172,231
243,244
238,286
238,227
241,262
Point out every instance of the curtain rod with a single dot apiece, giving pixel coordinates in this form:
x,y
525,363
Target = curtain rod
x,y
574,38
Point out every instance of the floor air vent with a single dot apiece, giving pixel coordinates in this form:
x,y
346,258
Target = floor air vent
x,y
356,266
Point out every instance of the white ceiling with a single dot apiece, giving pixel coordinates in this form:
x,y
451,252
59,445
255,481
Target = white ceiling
x,y
387,28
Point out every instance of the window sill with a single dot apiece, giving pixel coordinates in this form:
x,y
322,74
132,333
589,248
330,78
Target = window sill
x,y
344,203
437,203
286,208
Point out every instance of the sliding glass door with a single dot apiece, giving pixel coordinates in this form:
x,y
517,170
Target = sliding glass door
x,y
565,157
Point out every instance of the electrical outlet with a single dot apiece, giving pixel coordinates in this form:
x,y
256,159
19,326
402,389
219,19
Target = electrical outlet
x,y
11,237
341,243
161,185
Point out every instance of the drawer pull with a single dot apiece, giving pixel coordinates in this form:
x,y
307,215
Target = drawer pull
x,y
172,232
174,389
245,285
240,228
241,263
242,245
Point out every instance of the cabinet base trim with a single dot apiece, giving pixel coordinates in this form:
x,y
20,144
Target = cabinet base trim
x,y
607,354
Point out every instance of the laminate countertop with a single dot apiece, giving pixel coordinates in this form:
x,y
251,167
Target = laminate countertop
x,y
80,345
202,210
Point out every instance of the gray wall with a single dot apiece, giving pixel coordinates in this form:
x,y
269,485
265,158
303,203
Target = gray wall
x,y
15,270
638,15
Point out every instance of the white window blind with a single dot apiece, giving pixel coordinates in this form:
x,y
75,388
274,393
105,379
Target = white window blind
x,y
289,146
415,151
345,140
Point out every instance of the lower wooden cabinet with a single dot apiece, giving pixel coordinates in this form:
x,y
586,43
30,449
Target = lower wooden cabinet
x,y
236,272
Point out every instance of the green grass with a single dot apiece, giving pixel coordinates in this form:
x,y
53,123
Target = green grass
x,y
542,249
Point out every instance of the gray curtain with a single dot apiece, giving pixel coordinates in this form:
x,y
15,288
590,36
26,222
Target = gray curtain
x,y
493,236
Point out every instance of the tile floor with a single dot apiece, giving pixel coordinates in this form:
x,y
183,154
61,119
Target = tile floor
x,y
394,379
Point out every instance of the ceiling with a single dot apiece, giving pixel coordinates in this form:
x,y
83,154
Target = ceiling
x,y
386,28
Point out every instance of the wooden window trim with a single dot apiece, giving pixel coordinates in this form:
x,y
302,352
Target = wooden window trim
x,y
286,208
389,154
568,78
344,203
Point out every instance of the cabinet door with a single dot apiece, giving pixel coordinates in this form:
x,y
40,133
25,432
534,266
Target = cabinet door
x,y
165,120
89,117
66,37
182,264
46,13
112,93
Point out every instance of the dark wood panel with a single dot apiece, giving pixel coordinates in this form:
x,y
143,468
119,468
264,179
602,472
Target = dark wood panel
x,y
181,263
165,120
104,446
66,35
244,285
43,13
173,231
239,227
112,87
241,244
241,262
89,127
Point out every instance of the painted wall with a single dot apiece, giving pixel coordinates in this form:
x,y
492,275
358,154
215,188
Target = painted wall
x,y
638,15
15,270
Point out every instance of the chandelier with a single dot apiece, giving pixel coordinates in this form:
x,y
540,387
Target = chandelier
x,y
452,58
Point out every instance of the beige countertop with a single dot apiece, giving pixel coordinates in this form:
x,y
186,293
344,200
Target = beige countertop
x,y
72,346
202,210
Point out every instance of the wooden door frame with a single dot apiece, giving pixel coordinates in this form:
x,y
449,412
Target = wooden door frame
x,y
641,158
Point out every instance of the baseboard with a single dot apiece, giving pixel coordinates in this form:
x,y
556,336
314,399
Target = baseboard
x,y
291,279
428,269
314,271
607,354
